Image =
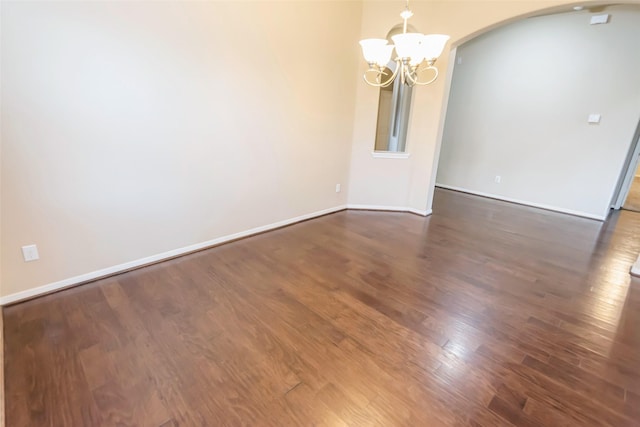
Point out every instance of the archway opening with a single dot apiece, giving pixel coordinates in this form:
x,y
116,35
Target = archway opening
x,y
542,111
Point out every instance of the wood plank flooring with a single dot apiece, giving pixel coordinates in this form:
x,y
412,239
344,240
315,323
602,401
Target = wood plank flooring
x,y
632,202
484,314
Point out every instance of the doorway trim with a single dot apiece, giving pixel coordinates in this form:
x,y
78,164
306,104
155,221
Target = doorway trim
x,y
627,173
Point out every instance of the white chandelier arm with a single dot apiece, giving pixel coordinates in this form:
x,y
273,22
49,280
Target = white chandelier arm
x,y
377,82
416,81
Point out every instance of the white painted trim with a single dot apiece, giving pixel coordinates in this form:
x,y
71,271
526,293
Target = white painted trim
x,y
120,268
109,271
524,202
420,211
635,268
631,164
390,208
389,155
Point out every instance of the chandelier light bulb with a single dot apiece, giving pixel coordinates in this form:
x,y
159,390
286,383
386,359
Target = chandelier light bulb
x,y
371,49
408,44
433,45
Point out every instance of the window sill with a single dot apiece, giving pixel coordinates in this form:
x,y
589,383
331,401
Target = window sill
x,y
389,155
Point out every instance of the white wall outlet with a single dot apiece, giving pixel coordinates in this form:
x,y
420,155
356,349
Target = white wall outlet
x,y
30,253
594,118
599,19
498,179
459,60
338,188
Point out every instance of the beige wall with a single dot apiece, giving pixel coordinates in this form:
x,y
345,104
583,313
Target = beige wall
x,y
134,128
409,182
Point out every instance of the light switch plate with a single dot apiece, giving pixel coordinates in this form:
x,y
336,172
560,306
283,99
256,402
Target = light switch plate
x,y
30,253
599,19
594,118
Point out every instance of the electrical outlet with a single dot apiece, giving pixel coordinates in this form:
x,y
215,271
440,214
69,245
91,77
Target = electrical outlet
x,y
338,188
30,253
498,179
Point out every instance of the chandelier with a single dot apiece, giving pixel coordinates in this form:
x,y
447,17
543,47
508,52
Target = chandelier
x,y
415,53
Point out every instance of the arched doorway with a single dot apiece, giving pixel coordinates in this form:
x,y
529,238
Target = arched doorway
x,y
520,101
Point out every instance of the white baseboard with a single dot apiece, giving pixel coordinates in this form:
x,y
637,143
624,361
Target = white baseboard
x,y
524,202
420,211
120,268
390,208
116,269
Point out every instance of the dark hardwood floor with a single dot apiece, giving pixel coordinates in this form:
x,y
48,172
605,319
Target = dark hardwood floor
x,y
486,313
